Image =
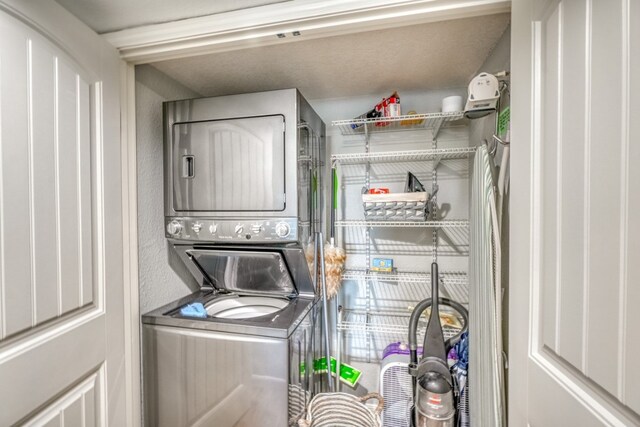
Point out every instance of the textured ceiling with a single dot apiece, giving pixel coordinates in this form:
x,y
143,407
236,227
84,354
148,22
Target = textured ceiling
x,y
111,15
429,56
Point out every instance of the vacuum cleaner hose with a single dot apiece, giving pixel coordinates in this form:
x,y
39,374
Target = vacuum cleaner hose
x,y
415,317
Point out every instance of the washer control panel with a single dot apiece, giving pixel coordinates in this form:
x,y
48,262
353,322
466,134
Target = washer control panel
x,y
226,230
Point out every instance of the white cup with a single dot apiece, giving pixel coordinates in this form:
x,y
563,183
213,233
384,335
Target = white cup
x,y
451,104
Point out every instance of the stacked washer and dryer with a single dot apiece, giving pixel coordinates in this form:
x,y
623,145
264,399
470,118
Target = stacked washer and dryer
x,y
243,197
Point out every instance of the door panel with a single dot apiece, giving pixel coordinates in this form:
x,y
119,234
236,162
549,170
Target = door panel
x,y
14,191
571,155
77,407
574,245
61,279
45,187
605,256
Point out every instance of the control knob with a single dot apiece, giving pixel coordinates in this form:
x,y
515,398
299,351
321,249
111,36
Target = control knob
x,y
283,230
239,229
213,228
174,228
196,227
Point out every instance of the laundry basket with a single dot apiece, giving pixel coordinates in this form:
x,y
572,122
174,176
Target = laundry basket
x,y
342,409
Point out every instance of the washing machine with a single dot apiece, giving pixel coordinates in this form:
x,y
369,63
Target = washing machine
x,y
245,363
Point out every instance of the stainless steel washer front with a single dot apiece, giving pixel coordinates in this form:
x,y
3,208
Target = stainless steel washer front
x,y
224,372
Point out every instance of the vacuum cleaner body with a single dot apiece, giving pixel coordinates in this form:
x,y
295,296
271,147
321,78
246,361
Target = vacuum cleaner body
x,y
434,402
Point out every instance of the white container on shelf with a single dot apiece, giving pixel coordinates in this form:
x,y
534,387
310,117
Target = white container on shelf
x,y
452,104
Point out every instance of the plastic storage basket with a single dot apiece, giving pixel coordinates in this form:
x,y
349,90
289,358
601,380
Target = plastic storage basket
x,y
342,409
396,206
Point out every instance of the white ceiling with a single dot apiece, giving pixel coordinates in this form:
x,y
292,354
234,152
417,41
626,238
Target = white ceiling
x,y
104,16
429,56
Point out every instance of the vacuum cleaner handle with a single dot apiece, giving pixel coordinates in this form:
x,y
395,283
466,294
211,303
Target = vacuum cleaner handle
x,y
415,317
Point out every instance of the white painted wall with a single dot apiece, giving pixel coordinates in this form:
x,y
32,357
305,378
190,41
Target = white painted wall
x,y
162,276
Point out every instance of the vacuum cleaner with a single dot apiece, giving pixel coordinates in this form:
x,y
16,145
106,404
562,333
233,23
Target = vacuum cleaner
x,y
433,388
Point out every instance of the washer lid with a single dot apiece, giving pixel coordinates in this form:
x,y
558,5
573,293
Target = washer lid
x,y
259,272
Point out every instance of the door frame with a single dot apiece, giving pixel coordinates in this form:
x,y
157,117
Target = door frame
x,y
260,26
229,31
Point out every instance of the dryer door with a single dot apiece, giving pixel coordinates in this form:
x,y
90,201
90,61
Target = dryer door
x,y
232,165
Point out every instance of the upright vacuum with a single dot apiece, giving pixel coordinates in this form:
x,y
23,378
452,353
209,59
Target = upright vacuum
x,y
433,388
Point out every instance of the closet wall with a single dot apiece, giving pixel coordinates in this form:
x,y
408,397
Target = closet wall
x,y
162,276
163,279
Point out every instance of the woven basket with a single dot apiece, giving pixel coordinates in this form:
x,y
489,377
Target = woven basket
x,y
342,409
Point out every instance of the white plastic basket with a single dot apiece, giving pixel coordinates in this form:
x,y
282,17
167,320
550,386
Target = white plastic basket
x,y
396,206
342,409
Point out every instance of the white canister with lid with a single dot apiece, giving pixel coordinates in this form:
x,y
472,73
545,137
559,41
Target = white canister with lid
x,y
452,104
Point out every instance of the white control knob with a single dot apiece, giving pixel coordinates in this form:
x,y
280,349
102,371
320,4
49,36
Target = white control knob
x,y
174,228
239,229
213,228
256,228
196,227
283,229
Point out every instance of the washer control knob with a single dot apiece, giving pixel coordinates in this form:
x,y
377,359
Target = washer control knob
x,y
196,227
283,229
213,228
239,229
256,228
174,228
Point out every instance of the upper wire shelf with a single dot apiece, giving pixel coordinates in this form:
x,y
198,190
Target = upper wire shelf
x,y
404,156
446,223
433,121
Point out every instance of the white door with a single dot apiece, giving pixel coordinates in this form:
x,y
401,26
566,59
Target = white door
x,y
61,263
575,210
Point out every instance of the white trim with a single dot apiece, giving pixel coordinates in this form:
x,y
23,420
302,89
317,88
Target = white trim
x,y
259,26
130,244
62,326
534,191
30,149
624,198
3,311
559,195
591,400
587,188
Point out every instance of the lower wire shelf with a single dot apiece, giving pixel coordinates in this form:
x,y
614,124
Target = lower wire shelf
x,y
357,321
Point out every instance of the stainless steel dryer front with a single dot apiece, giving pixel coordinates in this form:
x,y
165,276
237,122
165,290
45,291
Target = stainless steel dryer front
x,y
243,365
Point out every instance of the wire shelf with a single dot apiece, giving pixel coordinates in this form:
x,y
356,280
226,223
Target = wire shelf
x,y
431,121
451,278
387,325
403,156
447,223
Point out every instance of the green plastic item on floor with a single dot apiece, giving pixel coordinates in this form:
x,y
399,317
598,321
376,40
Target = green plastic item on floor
x,y
348,374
